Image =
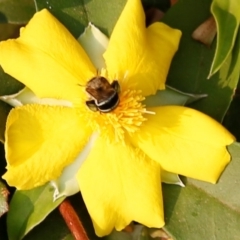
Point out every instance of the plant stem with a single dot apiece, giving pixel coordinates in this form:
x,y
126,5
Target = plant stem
x,y
72,220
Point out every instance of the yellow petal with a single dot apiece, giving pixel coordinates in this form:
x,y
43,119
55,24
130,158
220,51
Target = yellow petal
x,y
185,141
144,54
40,142
47,59
119,185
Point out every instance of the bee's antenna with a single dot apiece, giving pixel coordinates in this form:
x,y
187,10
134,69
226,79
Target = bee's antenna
x,y
98,75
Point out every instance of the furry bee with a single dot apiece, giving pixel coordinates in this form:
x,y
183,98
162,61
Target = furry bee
x,y
104,96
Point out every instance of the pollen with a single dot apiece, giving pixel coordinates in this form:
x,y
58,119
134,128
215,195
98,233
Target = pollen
x,y
126,118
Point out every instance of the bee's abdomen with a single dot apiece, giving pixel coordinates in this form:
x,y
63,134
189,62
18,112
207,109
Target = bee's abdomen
x,y
109,104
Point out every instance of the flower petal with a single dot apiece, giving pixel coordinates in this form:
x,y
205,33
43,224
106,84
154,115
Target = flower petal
x,y
143,53
40,142
95,43
119,185
185,141
47,59
26,96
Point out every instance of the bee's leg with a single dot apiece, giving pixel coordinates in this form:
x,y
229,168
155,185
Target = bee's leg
x,y
116,86
91,105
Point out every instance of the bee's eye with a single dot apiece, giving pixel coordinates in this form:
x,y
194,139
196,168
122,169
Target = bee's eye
x,y
91,105
116,86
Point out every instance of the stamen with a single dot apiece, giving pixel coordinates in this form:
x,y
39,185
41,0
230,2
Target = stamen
x,y
125,74
149,112
126,118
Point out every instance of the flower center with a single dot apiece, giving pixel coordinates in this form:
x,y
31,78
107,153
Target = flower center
x,y
126,118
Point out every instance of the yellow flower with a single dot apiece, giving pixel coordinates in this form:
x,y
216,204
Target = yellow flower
x,y
126,149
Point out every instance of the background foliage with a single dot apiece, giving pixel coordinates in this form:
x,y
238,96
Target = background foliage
x,y
200,210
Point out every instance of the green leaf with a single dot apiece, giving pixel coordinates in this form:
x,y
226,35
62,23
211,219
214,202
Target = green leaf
x,y
8,85
115,235
33,206
227,17
54,227
139,232
163,4
3,198
191,64
8,30
19,11
68,237
231,120
76,15
4,110
206,211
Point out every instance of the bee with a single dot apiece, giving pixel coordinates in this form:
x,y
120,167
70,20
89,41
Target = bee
x,y
103,95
